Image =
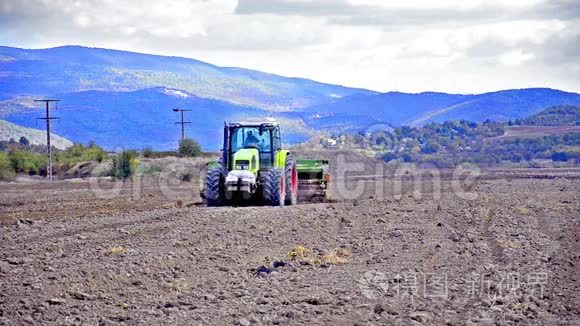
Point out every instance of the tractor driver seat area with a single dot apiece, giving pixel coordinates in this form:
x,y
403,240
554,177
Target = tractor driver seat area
x,y
249,137
251,141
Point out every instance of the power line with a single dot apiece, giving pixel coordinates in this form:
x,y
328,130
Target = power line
x,y
47,117
183,123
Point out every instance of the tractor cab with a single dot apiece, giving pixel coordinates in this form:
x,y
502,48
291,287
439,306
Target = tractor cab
x,y
251,146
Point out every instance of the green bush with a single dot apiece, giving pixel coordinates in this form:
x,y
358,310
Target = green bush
x,y
147,152
189,148
517,158
27,162
79,153
407,158
124,164
560,157
95,153
24,141
6,170
431,147
389,157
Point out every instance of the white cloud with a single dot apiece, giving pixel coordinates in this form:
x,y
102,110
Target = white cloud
x,y
516,57
411,45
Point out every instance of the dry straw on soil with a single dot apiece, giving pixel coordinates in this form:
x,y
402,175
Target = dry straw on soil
x,y
116,250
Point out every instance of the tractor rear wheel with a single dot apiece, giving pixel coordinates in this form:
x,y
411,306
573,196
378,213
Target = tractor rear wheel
x,y
273,187
214,192
291,181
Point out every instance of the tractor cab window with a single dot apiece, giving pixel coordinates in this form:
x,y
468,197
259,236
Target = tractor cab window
x,y
276,140
249,137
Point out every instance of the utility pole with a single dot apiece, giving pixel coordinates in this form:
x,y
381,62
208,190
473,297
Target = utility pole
x,y
48,147
183,123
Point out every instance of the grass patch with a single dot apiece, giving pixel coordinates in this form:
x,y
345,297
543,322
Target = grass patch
x,y
306,256
179,285
522,210
338,257
116,251
148,169
507,244
299,252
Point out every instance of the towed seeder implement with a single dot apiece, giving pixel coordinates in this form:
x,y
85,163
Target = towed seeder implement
x,y
313,178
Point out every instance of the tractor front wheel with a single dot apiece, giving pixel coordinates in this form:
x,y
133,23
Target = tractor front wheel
x,y
214,192
273,190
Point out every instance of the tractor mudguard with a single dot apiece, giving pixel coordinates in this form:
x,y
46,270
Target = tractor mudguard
x,y
280,159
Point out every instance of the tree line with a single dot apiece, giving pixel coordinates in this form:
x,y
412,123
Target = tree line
x,y
451,143
23,158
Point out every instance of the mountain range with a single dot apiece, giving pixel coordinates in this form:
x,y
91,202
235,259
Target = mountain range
x,y
398,109
124,99
73,69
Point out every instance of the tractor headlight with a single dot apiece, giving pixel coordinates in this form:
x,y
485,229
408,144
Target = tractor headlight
x,y
242,165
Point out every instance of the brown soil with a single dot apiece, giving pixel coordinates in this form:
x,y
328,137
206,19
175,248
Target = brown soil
x,y
70,257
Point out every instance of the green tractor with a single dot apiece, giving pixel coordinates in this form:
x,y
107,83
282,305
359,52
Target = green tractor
x,y
254,167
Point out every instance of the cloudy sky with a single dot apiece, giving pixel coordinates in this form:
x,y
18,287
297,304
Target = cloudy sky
x,y
463,46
